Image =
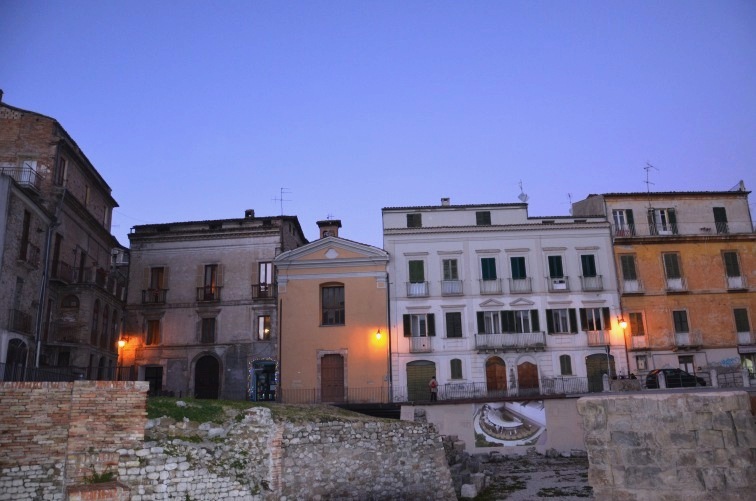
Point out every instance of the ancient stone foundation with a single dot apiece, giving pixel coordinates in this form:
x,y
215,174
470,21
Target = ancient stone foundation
x,y
691,446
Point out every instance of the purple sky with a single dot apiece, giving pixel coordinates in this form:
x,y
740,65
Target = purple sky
x,y
200,110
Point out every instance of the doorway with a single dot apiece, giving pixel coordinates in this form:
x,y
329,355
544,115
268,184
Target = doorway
x,y
596,366
332,378
496,376
206,377
527,379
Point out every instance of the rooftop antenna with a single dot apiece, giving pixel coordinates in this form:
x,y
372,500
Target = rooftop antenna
x,y
648,168
569,197
329,216
523,196
281,199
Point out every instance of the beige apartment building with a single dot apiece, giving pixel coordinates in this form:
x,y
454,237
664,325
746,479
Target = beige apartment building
x,y
686,267
333,325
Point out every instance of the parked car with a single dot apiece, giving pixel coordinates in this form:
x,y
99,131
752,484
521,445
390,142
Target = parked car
x,y
675,378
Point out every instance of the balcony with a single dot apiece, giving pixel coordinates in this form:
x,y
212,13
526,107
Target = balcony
x,y
722,228
490,286
638,343
154,296
417,289
26,177
594,283
598,338
520,341
92,276
624,230
62,272
632,287
30,255
420,345
20,321
688,340
520,285
558,284
677,284
208,294
746,338
451,287
264,291
737,283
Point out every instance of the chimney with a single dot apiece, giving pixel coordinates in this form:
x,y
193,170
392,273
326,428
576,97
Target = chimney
x,y
1,95
249,213
446,201
329,227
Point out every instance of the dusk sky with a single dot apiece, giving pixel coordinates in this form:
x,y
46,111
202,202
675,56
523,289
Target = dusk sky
x,y
199,110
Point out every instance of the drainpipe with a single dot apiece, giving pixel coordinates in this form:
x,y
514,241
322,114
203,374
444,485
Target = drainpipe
x,y
388,323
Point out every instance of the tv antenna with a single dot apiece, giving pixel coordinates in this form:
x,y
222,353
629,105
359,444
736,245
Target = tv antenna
x,y
523,196
281,199
648,168
569,197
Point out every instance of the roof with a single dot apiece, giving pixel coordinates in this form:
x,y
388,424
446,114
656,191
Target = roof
x,y
466,206
671,193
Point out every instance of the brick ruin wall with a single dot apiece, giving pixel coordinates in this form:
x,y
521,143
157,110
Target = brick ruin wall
x,y
53,436
690,446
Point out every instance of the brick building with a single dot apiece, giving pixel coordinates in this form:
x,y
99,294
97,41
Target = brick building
x,y
59,290
202,305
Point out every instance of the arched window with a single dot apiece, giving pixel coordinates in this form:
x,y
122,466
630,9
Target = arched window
x,y
95,322
114,334
456,368
565,363
105,320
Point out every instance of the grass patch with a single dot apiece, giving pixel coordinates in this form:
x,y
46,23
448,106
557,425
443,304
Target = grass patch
x,y
557,492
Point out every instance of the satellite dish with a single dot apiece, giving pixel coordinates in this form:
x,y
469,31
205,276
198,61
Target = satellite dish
x,y
523,197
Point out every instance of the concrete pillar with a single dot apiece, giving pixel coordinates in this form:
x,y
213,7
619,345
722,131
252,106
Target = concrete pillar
x,y
661,380
746,377
714,378
605,382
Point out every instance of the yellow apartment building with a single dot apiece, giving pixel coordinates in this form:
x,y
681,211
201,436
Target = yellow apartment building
x,y
334,343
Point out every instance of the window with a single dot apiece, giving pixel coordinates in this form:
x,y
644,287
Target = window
x,y
157,277
732,267
555,267
24,248
265,273
453,324
627,264
520,321
662,221
332,303
211,277
70,301
741,320
672,265
416,272
419,325
414,220
565,365
208,330
95,322
483,218
595,319
153,332
680,319
635,321
488,268
624,225
450,269
685,362
489,322
720,220
60,172
641,362
104,341
588,264
456,368
263,328
561,321
518,267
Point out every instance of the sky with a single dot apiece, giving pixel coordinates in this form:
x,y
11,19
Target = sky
x,y
197,110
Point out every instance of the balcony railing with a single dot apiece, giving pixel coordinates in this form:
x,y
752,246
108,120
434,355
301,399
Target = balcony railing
x,y
20,321
264,291
24,176
417,289
520,285
558,284
736,283
677,284
490,286
638,342
95,276
519,341
208,294
30,255
598,338
420,345
632,287
594,283
746,338
624,230
451,287
154,296
688,339
62,272
722,228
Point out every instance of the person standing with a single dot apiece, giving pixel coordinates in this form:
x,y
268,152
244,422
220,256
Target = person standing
x,y
433,385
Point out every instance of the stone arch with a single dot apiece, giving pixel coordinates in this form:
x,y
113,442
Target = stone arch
x,y
207,376
496,375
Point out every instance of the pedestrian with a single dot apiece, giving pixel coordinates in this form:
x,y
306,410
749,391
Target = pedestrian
x,y
433,385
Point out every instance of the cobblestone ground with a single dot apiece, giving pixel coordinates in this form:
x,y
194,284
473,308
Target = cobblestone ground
x,y
524,478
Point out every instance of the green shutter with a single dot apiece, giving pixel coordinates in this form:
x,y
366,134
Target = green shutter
x,y
416,272
583,319
732,268
534,324
630,220
573,321
741,320
607,319
481,323
407,326
431,318
549,322
672,220
628,267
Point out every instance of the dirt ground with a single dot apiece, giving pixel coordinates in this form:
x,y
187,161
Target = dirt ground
x,y
533,476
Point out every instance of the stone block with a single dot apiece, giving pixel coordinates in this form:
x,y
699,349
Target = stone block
x,y
709,439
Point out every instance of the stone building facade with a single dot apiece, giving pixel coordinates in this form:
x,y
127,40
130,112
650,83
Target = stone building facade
x,y
202,312
686,263
77,309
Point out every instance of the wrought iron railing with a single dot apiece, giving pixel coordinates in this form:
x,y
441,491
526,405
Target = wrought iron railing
x,y
511,341
154,296
492,286
420,344
264,291
520,285
558,284
598,338
451,287
25,176
209,294
594,283
417,289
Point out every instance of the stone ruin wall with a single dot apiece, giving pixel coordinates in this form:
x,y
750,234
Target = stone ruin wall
x,y
55,435
690,446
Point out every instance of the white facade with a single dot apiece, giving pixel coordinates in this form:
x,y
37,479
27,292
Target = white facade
x,y
495,272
